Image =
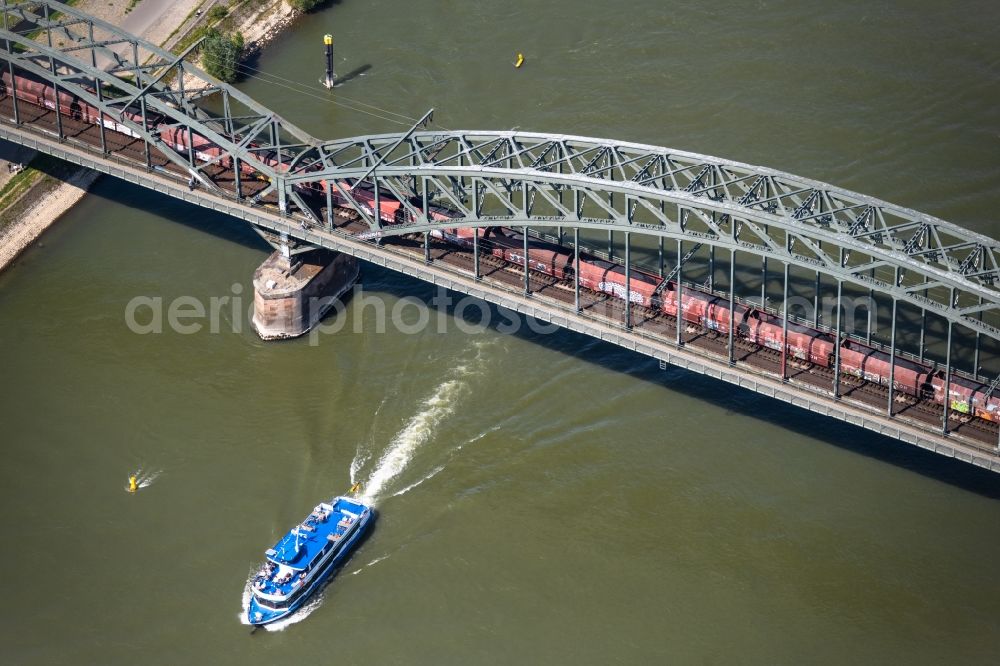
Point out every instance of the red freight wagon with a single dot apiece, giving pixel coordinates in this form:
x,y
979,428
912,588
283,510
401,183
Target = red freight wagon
x,y
852,359
695,304
543,257
807,344
178,139
460,236
765,333
966,396
90,114
42,94
717,316
988,408
804,343
609,278
390,210
873,366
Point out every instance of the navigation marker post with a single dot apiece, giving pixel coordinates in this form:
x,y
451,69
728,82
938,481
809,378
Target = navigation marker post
x,y
330,76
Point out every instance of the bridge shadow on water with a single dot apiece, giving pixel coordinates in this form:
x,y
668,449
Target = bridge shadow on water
x,y
194,217
733,399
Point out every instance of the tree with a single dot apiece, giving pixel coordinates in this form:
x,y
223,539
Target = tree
x,y
221,54
304,5
218,12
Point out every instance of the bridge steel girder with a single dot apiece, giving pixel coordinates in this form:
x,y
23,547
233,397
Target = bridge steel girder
x,y
245,130
805,396
530,179
522,179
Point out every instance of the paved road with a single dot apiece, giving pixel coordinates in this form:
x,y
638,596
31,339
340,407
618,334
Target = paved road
x,y
154,20
148,17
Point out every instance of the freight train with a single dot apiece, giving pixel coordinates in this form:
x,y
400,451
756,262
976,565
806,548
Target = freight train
x,y
704,309
39,92
644,289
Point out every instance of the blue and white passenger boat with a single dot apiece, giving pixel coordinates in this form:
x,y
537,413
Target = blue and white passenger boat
x,y
305,557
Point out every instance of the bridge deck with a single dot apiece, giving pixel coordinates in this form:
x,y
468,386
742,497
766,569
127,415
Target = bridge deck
x,y
652,335
649,322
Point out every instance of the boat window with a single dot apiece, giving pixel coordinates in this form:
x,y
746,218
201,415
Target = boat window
x,y
272,605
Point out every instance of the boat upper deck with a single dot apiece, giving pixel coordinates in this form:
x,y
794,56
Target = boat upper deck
x,y
290,558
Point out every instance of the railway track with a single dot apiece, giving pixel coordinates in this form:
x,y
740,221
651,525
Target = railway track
x,y
982,433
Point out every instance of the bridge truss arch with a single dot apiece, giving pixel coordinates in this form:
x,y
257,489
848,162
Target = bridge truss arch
x,y
509,178
277,177
521,179
146,92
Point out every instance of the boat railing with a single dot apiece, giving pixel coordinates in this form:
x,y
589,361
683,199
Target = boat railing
x,y
260,594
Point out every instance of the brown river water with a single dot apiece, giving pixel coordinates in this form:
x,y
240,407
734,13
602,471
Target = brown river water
x,y
542,497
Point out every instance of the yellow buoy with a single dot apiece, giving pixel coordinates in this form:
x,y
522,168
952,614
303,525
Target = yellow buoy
x,y
133,484
356,487
520,61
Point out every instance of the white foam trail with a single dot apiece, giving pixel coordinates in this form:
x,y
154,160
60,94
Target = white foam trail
x,y
363,455
302,613
245,600
146,479
434,472
478,437
373,562
417,431
360,458
143,479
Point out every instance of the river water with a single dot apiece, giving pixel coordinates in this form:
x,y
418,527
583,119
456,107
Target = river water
x,y
543,498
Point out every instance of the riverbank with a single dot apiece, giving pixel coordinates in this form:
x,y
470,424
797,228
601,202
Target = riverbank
x,y
261,25
50,200
36,198
172,23
258,22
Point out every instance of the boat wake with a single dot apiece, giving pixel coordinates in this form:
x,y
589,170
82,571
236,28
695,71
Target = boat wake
x,y
315,601
372,563
492,429
431,475
142,479
359,461
417,431
245,600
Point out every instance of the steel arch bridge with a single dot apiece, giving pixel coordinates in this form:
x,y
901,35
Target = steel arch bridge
x,y
519,179
525,179
482,179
